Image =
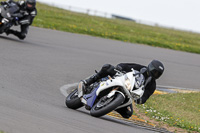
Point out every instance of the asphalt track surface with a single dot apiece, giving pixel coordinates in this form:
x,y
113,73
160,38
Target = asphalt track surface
x,y
32,72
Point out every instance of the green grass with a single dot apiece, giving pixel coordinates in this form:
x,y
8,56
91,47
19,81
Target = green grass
x,y
127,31
179,110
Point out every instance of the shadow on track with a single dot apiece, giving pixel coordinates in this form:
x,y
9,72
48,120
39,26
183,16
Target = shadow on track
x,y
10,39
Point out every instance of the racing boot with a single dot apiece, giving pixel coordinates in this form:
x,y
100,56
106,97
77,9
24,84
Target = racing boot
x,y
84,84
106,70
10,31
125,112
91,79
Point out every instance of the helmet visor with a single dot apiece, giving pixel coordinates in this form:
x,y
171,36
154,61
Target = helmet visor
x,y
155,73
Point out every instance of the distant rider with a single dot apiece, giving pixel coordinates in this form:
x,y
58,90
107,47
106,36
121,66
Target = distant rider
x,y
25,17
153,71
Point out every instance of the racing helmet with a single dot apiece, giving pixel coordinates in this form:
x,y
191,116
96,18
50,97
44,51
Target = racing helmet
x,y
155,69
30,4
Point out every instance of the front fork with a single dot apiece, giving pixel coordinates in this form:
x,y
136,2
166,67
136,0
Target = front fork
x,y
80,89
89,99
112,93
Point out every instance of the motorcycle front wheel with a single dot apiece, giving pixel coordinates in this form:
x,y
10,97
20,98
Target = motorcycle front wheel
x,y
106,105
73,101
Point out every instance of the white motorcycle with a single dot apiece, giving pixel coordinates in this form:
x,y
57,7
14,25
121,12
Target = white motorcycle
x,y
109,93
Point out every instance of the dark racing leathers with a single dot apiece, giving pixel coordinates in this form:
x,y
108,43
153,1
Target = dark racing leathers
x,y
151,86
108,69
25,17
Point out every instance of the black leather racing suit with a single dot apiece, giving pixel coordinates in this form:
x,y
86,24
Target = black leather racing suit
x,y
108,69
151,86
26,18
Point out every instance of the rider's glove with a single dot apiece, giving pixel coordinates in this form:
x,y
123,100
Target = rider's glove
x,y
119,68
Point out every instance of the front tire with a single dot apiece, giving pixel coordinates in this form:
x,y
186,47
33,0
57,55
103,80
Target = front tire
x,y
73,101
100,109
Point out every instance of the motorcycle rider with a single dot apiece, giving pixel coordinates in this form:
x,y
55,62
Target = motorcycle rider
x,y
24,17
152,72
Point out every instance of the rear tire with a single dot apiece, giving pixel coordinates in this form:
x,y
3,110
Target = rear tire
x,y
98,111
73,101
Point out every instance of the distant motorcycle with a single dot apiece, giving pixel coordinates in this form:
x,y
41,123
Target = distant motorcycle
x,y
7,19
109,93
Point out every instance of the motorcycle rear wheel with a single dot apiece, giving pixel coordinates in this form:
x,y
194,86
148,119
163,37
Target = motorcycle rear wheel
x,y
100,109
73,101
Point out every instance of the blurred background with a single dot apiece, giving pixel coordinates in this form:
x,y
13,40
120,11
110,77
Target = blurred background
x,y
177,14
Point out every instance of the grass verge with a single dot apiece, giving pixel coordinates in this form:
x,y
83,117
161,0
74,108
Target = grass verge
x,y
127,31
180,110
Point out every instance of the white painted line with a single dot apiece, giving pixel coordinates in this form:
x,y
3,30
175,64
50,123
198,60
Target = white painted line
x,y
64,88
173,87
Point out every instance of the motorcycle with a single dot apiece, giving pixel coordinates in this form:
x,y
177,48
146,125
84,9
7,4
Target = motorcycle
x,y
109,93
7,9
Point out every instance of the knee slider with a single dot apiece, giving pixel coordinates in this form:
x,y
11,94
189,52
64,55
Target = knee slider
x,y
22,36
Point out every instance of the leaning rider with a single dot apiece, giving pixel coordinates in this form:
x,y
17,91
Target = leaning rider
x,y
153,71
25,17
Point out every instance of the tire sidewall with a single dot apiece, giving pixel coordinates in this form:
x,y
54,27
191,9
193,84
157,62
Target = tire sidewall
x,y
74,103
118,100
